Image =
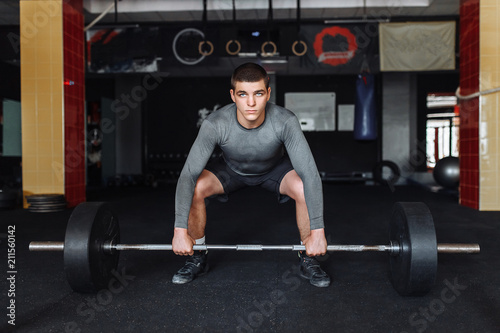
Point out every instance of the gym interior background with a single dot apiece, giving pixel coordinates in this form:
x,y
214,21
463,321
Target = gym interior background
x,y
101,101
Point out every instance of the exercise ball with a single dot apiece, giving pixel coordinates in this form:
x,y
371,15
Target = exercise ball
x,y
447,172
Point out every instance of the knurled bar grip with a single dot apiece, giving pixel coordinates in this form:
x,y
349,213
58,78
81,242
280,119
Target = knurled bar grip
x,y
250,247
393,247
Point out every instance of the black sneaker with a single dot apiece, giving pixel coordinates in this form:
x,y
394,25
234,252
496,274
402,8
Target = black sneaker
x,y
310,270
196,265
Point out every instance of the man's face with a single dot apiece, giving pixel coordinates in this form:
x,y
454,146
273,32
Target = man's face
x,y
251,99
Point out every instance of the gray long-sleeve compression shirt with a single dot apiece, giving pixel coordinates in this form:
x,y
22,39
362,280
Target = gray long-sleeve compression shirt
x,y
251,152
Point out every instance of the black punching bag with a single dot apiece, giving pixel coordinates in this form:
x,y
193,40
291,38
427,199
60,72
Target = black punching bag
x,y
365,113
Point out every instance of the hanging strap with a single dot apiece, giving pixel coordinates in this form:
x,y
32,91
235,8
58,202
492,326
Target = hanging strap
x,y
205,41
234,13
269,19
204,19
298,41
298,19
234,35
264,53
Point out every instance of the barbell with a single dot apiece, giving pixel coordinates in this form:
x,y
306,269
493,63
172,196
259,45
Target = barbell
x,y
92,244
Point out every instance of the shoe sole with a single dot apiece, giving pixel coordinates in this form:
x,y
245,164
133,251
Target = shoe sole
x,y
203,272
319,285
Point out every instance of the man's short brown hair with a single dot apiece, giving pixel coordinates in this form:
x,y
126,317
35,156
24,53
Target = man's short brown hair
x,y
249,72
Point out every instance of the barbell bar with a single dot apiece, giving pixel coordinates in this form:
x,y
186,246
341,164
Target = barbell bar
x,y
393,248
92,245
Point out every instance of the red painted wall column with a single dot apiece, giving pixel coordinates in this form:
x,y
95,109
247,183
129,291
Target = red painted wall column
x,y
74,101
469,109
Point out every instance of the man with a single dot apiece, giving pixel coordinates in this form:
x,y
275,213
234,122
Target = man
x,y
253,136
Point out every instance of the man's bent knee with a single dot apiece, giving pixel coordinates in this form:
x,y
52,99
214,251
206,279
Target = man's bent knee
x,y
299,194
207,185
292,186
201,191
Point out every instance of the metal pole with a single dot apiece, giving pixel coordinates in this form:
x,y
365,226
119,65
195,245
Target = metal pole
x,y
46,246
458,248
393,248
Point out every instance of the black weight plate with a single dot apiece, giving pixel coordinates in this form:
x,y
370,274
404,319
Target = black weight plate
x,y
413,271
88,267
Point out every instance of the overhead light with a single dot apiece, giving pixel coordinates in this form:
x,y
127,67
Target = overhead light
x,y
247,54
136,6
274,61
98,18
114,26
356,21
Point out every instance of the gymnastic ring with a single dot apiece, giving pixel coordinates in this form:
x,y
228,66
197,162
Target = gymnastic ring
x,y
237,50
200,49
268,54
304,45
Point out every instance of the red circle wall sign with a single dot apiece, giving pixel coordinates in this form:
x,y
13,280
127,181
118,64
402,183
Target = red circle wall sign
x,y
335,58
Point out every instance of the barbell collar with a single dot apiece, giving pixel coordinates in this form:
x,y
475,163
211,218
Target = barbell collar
x,y
393,248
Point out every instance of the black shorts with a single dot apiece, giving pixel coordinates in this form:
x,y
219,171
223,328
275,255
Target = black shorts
x,y
232,181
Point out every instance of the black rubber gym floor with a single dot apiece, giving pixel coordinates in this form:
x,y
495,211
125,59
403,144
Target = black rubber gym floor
x,y
257,291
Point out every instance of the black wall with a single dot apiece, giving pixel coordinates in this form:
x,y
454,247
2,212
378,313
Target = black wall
x,y
171,115
171,111
97,88
334,152
10,83
10,88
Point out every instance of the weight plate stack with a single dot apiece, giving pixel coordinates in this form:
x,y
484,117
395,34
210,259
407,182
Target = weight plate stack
x,y
46,203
